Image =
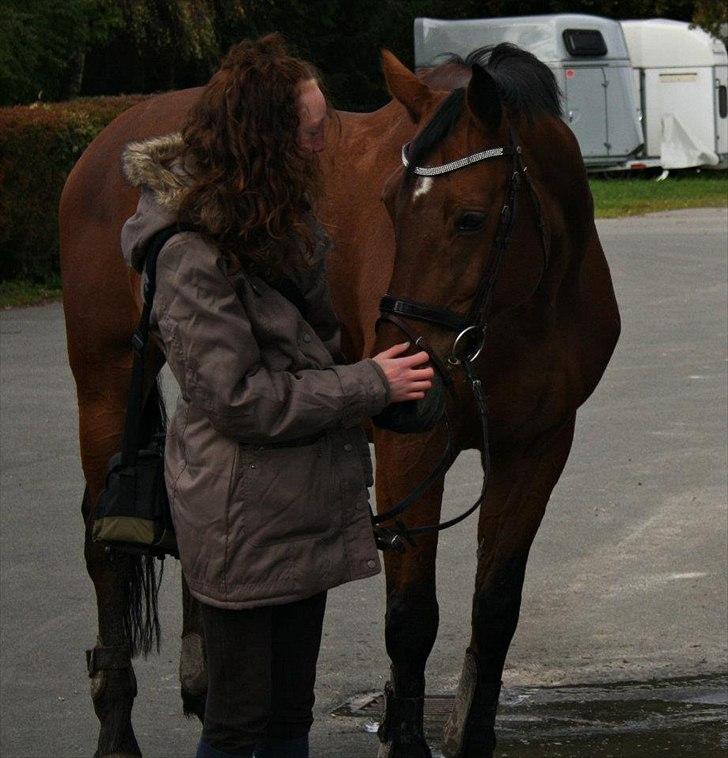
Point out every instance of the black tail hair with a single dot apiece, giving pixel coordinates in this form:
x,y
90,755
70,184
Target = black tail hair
x,y
143,576
141,617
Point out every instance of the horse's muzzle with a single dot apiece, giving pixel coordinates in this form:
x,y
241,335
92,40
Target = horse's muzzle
x,y
413,416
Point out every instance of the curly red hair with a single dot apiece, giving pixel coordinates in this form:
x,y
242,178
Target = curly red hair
x,y
252,184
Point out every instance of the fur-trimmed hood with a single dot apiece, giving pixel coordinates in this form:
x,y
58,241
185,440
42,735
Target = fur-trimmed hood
x,y
155,163
158,168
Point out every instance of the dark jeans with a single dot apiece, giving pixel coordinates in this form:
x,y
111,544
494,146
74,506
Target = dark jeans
x,y
261,666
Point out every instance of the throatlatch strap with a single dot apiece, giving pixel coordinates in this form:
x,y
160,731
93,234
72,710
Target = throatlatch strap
x,y
412,309
116,657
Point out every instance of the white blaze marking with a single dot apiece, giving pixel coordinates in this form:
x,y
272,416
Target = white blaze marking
x,y
424,185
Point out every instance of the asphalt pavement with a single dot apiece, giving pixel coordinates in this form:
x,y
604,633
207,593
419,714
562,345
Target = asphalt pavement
x,y
626,581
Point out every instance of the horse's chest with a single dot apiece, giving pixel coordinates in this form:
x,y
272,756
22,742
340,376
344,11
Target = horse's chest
x,y
527,388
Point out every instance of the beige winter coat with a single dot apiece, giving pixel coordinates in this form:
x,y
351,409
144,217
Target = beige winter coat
x,y
262,516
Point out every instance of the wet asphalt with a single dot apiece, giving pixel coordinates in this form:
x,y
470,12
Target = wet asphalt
x,y
672,717
621,648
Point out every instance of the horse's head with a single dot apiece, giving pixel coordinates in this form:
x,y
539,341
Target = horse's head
x,y
468,240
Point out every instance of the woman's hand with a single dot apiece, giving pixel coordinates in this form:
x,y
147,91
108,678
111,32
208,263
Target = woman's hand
x,y
406,382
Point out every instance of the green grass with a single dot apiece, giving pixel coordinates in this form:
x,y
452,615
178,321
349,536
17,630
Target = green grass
x,y
20,292
622,195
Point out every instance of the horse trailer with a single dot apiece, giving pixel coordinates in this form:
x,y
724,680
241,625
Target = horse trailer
x,y
680,80
588,55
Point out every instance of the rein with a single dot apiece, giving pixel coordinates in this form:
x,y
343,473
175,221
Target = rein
x,y
467,345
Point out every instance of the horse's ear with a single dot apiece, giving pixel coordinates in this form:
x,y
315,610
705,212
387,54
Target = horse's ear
x,y
483,98
405,87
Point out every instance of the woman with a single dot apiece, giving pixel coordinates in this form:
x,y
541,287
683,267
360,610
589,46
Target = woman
x,y
267,467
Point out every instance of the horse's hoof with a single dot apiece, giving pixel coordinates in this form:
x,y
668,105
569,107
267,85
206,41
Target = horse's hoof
x,y
193,704
193,675
479,751
393,750
400,732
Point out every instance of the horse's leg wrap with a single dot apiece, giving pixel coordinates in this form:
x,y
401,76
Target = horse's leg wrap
x,y
115,658
470,730
113,689
401,731
193,675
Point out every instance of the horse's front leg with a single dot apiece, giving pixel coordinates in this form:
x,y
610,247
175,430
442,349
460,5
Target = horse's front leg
x,y
515,504
412,611
192,662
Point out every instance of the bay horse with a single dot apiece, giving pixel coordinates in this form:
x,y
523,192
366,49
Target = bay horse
x,y
430,241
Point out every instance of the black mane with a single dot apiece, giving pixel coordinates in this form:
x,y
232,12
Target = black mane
x,y
525,84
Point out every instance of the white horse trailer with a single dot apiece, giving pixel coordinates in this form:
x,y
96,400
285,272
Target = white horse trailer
x,y
680,79
588,56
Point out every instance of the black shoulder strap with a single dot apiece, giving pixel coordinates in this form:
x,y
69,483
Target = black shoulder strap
x,y
135,403
290,290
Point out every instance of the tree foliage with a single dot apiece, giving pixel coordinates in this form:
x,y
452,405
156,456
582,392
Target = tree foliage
x,y
42,44
60,48
342,37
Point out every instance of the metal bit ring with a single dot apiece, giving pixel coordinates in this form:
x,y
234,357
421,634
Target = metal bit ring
x,y
456,359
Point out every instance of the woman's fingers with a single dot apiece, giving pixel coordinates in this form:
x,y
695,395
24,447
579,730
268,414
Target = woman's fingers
x,y
409,378
415,359
395,350
406,361
421,373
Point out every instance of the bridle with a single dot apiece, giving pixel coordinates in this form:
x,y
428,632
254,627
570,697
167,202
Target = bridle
x,y
470,330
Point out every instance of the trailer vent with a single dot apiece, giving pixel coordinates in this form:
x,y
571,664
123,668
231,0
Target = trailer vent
x,y
584,42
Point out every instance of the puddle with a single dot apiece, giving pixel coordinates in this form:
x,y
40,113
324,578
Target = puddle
x,y
674,717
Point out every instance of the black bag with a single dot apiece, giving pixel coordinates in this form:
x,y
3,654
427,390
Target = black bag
x,y
133,513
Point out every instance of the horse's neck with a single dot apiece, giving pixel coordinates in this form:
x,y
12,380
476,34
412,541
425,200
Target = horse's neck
x,y
364,151
369,144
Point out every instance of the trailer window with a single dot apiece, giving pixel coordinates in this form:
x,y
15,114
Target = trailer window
x,y
584,42
722,101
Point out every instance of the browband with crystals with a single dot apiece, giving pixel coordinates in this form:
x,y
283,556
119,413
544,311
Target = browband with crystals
x,y
446,168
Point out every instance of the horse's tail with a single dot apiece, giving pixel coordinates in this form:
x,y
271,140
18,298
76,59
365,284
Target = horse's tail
x,y
141,617
143,575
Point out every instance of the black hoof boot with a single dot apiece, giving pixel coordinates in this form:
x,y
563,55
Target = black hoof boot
x,y
401,732
470,730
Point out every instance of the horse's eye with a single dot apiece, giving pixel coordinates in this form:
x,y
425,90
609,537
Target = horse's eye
x,y
470,221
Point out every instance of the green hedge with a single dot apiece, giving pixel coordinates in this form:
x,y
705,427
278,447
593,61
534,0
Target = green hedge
x,y
39,144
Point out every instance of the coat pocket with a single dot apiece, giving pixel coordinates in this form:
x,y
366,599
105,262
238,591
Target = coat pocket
x,y
286,494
